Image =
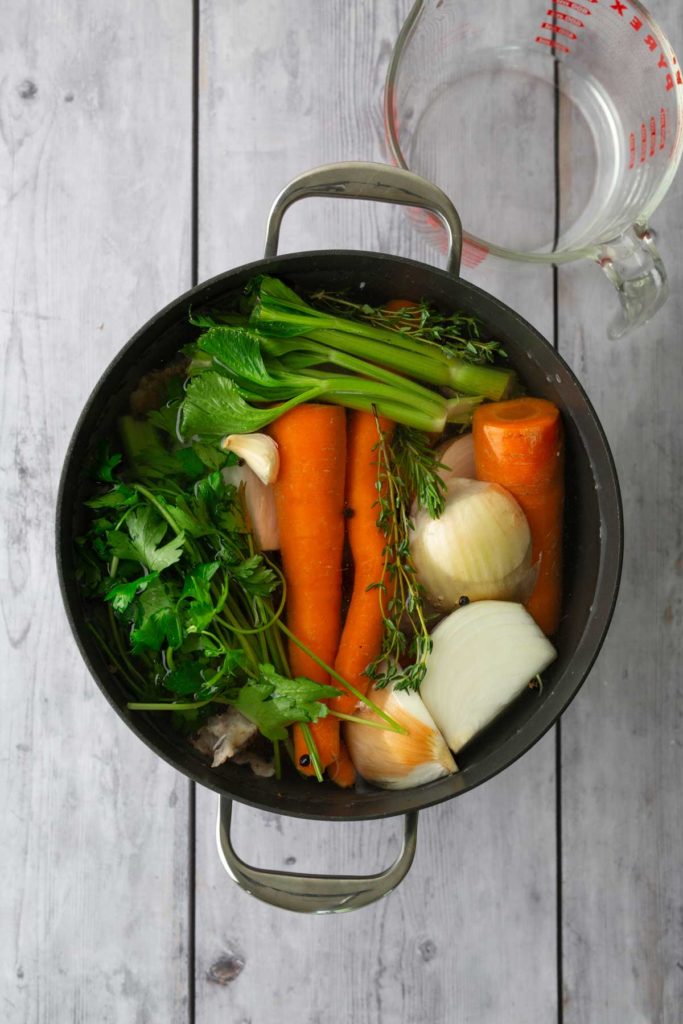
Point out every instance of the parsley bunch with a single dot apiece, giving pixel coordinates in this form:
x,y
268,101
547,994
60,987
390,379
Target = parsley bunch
x,y
185,610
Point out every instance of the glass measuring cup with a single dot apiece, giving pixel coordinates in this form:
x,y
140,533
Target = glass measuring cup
x,y
556,126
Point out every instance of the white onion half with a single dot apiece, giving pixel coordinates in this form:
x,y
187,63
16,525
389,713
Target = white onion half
x,y
483,656
392,760
479,548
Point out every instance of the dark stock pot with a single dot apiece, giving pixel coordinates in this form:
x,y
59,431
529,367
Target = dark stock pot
x,y
593,532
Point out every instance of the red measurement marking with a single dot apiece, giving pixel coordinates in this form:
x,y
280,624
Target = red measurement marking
x,y
636,24
573,6
650,42
561,16
619,8
552,43
558,30
472,254
657,139
661,63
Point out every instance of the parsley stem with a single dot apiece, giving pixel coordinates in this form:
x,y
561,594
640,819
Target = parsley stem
x,y
169,705
230,623
312,750
148,496
362,721
112,657
394,726
113,626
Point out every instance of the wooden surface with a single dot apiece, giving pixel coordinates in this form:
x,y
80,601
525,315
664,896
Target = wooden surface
x,y
554,892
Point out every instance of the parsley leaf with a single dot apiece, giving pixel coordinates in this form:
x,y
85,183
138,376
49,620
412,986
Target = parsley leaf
x,y
146,530
156,620
255,578
106,463
187,678
273,702
122,594
121,496
197,588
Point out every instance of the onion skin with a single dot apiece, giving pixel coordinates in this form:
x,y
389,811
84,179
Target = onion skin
x,y
479,549
391,760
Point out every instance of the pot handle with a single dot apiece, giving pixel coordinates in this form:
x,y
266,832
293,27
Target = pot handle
x,y
312,894
362,180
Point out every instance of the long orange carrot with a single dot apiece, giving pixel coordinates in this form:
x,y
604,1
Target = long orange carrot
x,y
361,638
309,497
519,444
342,771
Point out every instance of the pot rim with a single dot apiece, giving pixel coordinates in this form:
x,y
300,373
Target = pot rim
x,y
373,801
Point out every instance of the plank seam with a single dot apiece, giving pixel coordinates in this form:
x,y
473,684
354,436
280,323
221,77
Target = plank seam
x,y
558,727
194,271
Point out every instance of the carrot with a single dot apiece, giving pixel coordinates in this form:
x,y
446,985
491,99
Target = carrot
x,y
361,638
309,498
519,444
342,771
395,305
409,310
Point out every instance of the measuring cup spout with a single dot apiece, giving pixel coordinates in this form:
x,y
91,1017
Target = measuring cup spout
x,y
635,268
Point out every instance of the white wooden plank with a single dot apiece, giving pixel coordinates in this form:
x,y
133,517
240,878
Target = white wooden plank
x,y
622,771
470,935
95,153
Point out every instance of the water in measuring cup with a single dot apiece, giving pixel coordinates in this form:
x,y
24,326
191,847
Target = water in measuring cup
x,y
530,150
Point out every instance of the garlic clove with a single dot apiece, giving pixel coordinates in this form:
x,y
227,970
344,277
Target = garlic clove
x,y
260,502
391,760
458,458
259,451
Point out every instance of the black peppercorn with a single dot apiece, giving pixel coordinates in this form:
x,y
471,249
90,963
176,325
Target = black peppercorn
x,y
304,760
463,601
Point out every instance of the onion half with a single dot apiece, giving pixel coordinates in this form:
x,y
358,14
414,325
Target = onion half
x,y
483,656
392,760
479,548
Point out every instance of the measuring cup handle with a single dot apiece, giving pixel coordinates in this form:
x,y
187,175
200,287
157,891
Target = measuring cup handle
x,y
379,182
635,268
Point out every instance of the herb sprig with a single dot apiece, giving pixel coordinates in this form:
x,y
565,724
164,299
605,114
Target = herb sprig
x,y
461,335
407,644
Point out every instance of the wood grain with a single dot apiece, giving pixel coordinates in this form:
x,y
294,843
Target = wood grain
x,y
470,934
95,220
622,740
95,203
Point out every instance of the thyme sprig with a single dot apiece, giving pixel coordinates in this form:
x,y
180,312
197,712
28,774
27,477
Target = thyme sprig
x,y
407,643
419,467
460,334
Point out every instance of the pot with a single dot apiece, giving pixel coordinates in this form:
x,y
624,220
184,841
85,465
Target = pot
x,y
593,533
